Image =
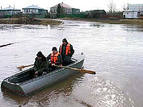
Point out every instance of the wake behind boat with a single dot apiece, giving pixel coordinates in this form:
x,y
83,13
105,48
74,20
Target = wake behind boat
x,y
22,83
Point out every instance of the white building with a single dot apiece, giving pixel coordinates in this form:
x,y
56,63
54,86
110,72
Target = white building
x,y
133,11
35,10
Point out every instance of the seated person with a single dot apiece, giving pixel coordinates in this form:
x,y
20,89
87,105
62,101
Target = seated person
x,y
66,50
40,65
55,58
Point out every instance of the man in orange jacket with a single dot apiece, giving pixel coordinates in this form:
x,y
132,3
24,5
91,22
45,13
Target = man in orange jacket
x,y
66,50
55,58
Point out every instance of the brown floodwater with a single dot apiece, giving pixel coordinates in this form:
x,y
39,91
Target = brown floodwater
x,y
113,51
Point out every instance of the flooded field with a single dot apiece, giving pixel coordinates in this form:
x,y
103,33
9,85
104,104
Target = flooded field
x,y
113,51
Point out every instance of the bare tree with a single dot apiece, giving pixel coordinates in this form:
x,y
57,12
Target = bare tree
x,y
60,11
125,6
111,6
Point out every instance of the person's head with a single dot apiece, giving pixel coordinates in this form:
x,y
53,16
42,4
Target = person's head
x,y
64,41
39,55
54,49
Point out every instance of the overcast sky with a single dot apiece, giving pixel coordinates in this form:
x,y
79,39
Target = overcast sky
x,y
82,4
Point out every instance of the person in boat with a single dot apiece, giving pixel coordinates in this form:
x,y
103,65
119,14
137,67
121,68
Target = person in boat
x,y
66,50
40,65
55,59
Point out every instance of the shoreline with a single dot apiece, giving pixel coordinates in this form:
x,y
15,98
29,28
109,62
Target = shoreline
x,y
110,21
32,21
48,21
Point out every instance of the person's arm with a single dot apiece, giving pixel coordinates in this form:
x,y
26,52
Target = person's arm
x,y
59,62
48,57
72,51
60,49
35,65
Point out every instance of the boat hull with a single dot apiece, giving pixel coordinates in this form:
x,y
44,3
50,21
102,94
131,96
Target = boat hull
x,y
35,84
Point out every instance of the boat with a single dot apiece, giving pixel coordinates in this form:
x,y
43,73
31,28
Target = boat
x,y
23,85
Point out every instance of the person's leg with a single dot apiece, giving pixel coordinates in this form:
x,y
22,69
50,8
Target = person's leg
x,y
50,68
32,73
40,73
67,60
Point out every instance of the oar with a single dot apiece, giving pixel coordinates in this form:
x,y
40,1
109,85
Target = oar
x,y
23,66
77,69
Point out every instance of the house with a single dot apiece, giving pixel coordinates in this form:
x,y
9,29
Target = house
x,y
96,13
9,12
75,11
133,11
65,9
35,11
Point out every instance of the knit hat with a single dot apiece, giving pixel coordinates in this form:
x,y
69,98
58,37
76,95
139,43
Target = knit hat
x,y
65,40
39,54
54,49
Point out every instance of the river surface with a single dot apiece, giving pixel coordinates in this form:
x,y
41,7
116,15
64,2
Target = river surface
x,y
115,52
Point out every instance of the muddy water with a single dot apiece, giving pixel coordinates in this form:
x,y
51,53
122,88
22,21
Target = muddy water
x,y
113,51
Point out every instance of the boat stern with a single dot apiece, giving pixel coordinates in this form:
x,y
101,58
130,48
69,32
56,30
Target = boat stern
x,y
12,87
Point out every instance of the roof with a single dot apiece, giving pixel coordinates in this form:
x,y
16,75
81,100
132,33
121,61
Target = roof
x,y
135,7
33,7
63,5
131,11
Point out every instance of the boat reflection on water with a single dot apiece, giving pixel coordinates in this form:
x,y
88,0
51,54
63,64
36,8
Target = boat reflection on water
x,y
64,87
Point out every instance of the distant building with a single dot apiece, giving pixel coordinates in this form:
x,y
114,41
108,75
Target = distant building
x,y
133,11
66,10
96,13
35,10
9,12
75,11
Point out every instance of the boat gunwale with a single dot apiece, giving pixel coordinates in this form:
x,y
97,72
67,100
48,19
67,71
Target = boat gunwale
x,y
48,74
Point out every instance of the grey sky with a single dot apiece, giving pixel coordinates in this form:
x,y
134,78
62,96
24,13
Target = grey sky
x,y
82,4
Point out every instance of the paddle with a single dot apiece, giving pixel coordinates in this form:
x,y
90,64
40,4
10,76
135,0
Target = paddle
x,y
77,69
21,67
67,67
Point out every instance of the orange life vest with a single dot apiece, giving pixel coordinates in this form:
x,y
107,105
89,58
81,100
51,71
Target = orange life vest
x,y
54,58
68,49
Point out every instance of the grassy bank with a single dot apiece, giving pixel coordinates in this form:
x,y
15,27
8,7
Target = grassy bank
x,y
45,21
26,20
110,21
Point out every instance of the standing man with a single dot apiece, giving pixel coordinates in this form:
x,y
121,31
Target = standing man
x,y
66,50
55,58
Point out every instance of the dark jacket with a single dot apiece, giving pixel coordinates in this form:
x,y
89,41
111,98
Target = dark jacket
x,y
63,53
40,65
66,58
59,61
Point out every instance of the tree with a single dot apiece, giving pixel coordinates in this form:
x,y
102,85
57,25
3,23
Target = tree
x,y
59,10
125,7
111,6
